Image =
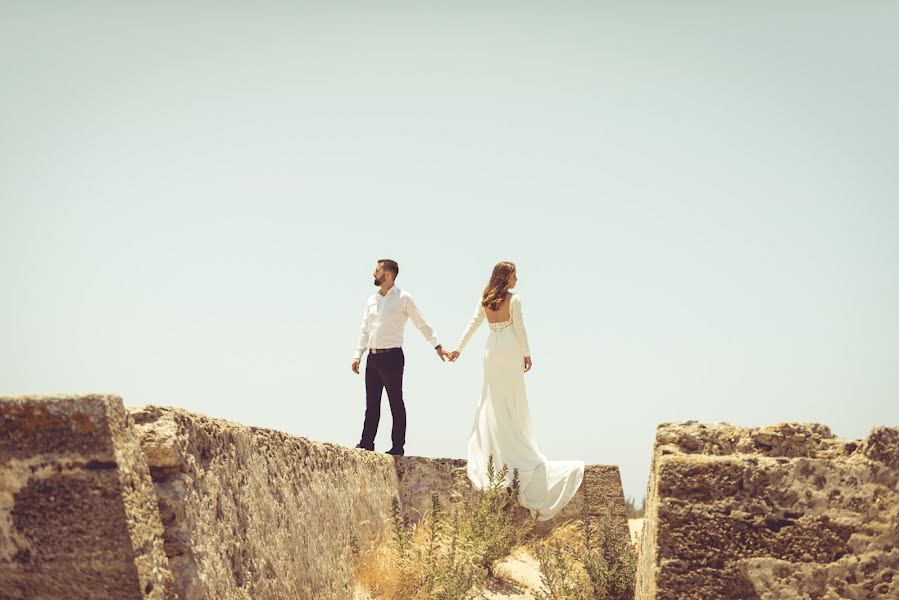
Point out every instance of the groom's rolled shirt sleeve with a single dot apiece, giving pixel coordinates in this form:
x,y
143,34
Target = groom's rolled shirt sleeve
x,y
418,319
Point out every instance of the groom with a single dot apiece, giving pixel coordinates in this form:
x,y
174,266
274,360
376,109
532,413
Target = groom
x,y
383,321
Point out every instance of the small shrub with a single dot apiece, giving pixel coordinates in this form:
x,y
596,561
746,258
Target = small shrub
x,y
600,563
561,575
490,519
402,536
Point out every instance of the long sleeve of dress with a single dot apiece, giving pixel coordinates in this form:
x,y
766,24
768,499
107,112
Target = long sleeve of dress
x,y
476,320
518,324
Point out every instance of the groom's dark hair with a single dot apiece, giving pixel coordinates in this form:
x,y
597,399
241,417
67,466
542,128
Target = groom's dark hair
x,y
390,265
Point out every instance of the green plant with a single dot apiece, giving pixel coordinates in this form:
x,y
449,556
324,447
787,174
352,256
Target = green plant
x,y
490,518
610,562
599,563
401,535
558,573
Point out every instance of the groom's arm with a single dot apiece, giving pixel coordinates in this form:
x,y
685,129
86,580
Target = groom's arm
x,y
362,344
418,319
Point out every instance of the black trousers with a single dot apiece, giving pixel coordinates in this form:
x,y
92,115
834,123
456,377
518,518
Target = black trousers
x,y
384,371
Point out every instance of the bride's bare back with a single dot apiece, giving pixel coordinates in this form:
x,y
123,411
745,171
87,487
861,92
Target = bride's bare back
x,y
503,314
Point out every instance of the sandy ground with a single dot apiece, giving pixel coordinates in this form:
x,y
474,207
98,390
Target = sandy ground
x,y
518,577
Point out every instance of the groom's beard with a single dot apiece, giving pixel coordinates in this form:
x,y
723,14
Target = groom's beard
x,y
379,280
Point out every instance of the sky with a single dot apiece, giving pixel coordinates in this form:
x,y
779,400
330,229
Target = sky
x,y
701,201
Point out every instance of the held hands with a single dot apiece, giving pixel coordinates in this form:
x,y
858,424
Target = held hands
x,y
452,356
442,353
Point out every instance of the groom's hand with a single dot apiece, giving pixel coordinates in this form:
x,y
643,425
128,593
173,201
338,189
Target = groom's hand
x,y
441,353
356,366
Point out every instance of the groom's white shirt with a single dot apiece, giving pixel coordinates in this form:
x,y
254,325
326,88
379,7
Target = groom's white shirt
x,y
385,318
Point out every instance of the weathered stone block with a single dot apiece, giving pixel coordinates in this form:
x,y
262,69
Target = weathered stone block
x,y
78,515
782,512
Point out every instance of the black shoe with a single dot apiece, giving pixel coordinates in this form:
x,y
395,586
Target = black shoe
x,y
395,452
365,447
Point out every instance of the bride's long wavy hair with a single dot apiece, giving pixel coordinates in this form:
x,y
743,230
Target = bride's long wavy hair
x,y
498,288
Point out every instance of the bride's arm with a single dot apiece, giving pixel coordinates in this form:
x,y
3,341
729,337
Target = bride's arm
x,y
518,325
476,320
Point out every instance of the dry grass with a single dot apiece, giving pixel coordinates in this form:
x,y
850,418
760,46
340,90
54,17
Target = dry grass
x,y
378,569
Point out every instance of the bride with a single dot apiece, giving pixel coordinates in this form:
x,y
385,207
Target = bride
x,y
502,423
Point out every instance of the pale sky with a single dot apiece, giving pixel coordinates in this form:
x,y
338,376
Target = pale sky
x,y
701,200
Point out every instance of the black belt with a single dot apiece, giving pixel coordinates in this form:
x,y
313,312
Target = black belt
x,y
382,350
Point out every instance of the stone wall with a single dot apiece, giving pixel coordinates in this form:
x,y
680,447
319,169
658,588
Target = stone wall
x,y
783,512
78,516
256,513
156,501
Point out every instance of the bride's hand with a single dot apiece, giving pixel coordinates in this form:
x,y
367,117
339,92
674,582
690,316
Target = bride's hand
x,y
527,364
452,356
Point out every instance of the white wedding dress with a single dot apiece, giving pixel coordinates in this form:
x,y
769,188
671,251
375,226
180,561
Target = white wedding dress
x,y
502,422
